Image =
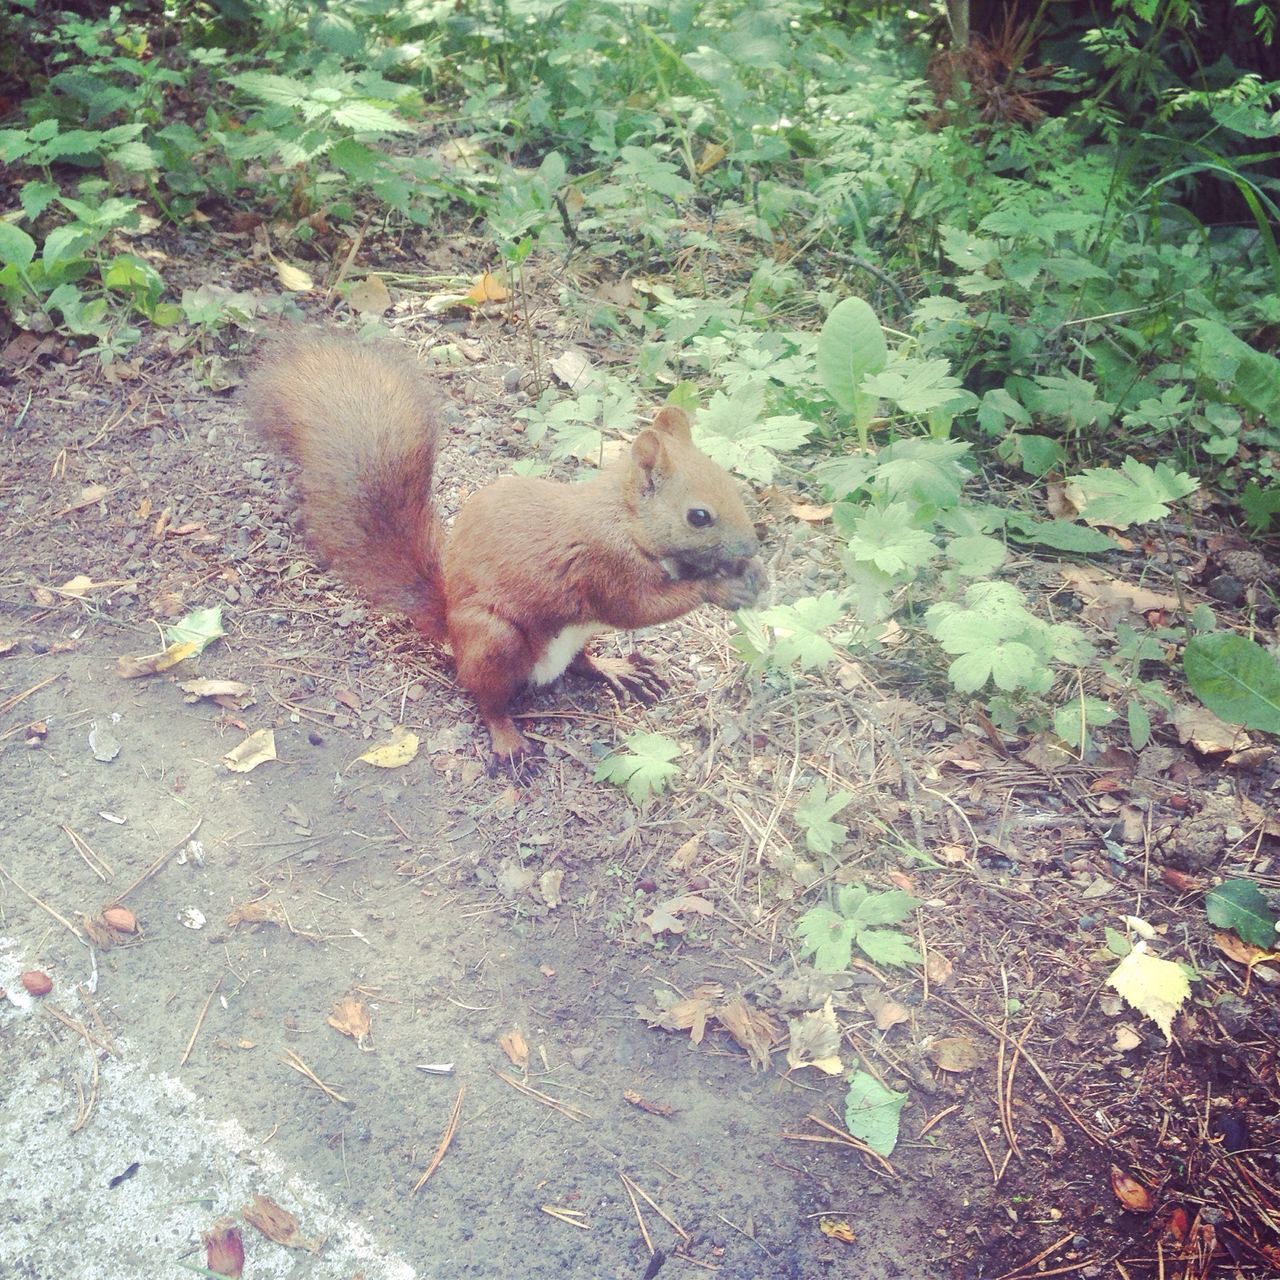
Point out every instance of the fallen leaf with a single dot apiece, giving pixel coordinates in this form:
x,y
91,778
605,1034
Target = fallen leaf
x,y
665,917
370,297
815,1041
130,668
394,754
753,1029
1198,727
887,1013
688,1014
488,288
811,514
1108,600
837,1229
653,1108
712,154
256,749
36,982
573,369
939,968
549,886
277,1224
262,911
954,1053
1156,988
351,1018
1130,1192
683,857
224,1248
1178,1225
293,279
233,690
1126,1040
514,1046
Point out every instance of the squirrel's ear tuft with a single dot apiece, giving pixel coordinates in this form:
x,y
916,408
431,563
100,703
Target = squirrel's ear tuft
x,y
674,422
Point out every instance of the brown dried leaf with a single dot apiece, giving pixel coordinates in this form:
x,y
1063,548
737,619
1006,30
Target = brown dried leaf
x,y
810,513
1130,1192
653,1108
1209,735
1108,600
351,1018
837,1229
513,1044
753,1029
815,1041
488,288
939,968
954,1053
129,668
263,911
277,1224
258,748
224,1248
887,1013
665,917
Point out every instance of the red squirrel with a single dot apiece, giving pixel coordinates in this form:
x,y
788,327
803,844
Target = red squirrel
x,y
533,569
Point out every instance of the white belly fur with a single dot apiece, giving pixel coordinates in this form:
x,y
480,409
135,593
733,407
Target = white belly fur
x,y
561,650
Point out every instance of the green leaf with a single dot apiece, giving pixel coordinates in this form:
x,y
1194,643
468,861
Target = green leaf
x,y
200,627
828,937
644,769
365,117
1239,905
1235,678
976,555
136,157
814,814
15,245
889,906
279,90
36,197
1135,494
915,386
887,540
873,1113
851,346
887,946
1260,506
1061,535
1139,720
797,631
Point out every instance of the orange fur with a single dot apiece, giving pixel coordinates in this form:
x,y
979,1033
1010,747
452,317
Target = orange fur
x,y
532,567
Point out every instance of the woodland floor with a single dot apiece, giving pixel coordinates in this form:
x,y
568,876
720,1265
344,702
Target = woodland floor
x,y
149,1094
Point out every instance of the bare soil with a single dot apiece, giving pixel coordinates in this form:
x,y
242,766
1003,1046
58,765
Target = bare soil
x,y
161,1085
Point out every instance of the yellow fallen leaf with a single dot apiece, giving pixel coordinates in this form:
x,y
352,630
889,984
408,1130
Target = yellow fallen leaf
x,y
256,749
370,297
487,289
402,748
837,1229
1156,988
128,668
711,156
294,279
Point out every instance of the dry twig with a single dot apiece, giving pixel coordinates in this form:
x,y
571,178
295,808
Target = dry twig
x,y
449,1130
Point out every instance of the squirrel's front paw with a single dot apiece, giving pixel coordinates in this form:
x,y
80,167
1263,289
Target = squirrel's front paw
x,y
740,591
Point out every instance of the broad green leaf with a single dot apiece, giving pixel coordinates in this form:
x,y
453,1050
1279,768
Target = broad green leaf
x,y
15,245
890,906
850,347
814,814
828,937
1134,494
872,1113
1156,988
35,197
915,386
887,946
268,88
976,555
644,769
798,628
136,157
200,627
1235,678
365,117
1062,535
887,540
1139,720
1239,905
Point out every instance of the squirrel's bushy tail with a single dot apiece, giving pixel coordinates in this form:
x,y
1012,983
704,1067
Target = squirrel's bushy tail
x,y
362,422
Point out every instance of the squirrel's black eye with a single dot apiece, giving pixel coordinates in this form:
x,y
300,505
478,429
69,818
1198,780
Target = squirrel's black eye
x,y
700,518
